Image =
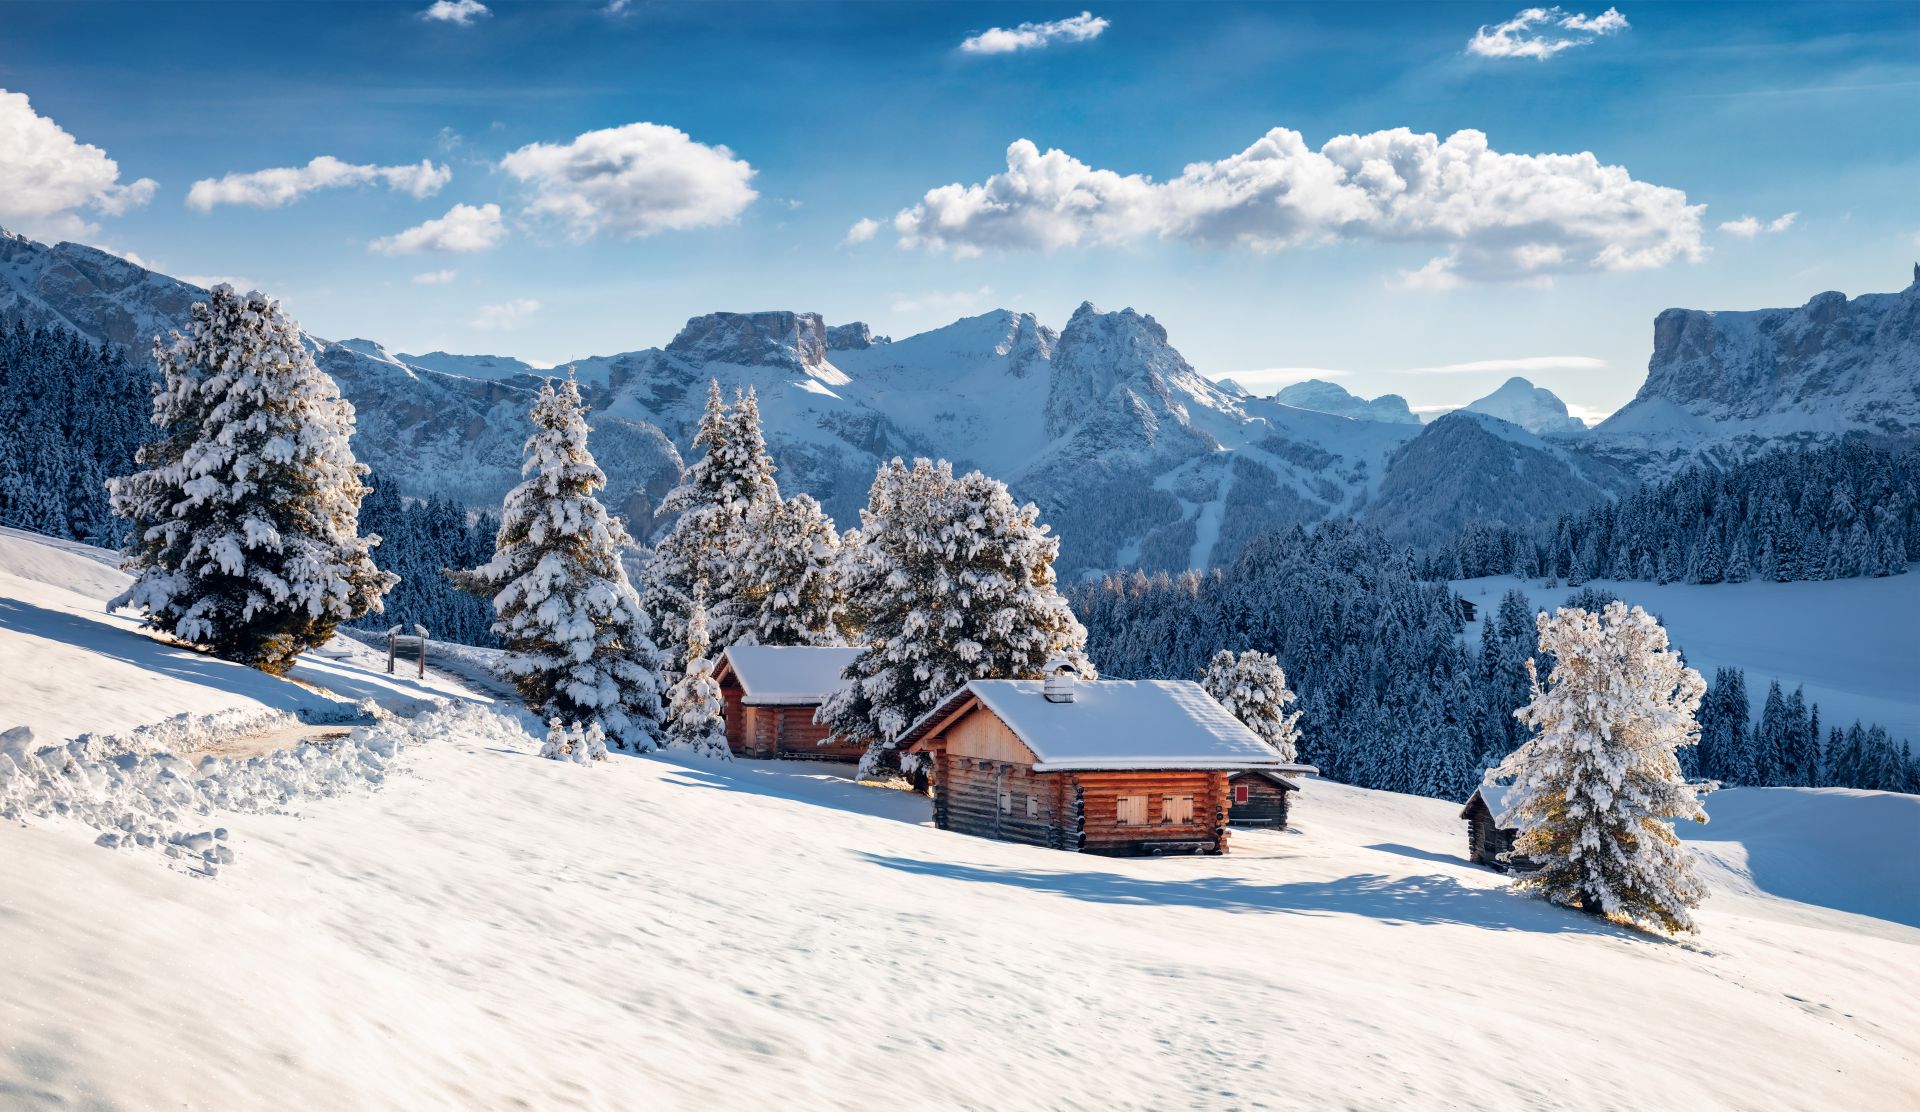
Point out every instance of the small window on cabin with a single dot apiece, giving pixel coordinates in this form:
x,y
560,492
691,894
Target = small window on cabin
x,y
1033,806
1176,809
1006,803
1239,793
1130,810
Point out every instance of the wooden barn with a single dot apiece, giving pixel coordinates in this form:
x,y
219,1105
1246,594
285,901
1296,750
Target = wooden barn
x,y
771,693
1119,767
1487,839
1260,795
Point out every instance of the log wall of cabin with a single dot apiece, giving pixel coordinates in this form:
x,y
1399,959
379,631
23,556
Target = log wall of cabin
x,y
969,800
733,714
790,731
1266,803
1100,830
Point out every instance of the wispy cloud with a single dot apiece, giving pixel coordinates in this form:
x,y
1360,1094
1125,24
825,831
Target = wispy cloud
x,y
510,314
1541,33
1747,227
435,278
863,230
1502,217
1530,364
461,12
1034,36
462,230
284,185
47,177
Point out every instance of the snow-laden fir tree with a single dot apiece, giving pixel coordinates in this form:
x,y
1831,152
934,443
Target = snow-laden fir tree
x,y
570,741
1253,687
577,641
952,581
695,721
730,479
790,591
1597,786
245,520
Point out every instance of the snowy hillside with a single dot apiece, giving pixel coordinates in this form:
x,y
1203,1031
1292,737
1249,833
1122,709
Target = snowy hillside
x,y
452,922
1850,641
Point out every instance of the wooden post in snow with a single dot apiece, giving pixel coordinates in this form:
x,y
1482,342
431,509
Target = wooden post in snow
x,y
393,641
422,631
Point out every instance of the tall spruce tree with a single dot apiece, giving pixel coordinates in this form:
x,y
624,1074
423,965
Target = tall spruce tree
x,y
953,581
695,721
727,483
578,644
245,520
788,579
1597,786
1253,688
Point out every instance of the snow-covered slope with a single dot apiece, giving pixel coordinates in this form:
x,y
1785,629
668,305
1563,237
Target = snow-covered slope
x,y
1330,397
1533,408
470,366
490,929
1739,382
1850,641
96,294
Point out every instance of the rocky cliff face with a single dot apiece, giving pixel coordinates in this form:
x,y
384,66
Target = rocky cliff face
x,y
93,293
1747,379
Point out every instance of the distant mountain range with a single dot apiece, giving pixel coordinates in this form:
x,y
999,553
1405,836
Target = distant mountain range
x,y
1134,457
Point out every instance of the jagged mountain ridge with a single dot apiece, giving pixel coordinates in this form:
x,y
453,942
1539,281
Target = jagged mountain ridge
x,y
1134,457
1330,397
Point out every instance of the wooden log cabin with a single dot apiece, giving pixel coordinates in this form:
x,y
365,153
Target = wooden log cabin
x,y
1487,837
1261,795
769,695
1119,767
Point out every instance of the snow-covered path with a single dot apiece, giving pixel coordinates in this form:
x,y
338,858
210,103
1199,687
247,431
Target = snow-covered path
x,y
497,929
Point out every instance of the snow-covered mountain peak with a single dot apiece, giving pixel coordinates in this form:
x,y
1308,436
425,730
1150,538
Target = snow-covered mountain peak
x,y
777,338
1102,355
466,366
1533,408
1322,396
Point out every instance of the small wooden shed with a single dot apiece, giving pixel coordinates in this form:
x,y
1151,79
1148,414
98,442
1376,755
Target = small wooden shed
x,y
1487,838
1121,767
1260,795
770,694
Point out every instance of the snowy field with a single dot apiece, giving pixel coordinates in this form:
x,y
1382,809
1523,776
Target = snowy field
x,y
473,927
1854,643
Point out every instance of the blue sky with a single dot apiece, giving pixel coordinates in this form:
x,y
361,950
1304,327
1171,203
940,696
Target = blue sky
x,y
831,114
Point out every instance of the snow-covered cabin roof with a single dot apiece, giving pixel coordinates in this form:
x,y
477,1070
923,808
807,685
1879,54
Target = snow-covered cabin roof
x,y
787,675
1279,773
1495,797
1113,724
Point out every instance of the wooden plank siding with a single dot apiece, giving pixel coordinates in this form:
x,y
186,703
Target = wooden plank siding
x,y
1265,805
1101,831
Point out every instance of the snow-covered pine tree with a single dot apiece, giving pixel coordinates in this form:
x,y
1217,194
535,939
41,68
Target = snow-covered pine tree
x,y
953,581
709,539
577,641
246,534
1597,786
569,741
1253,687
789,578
695,711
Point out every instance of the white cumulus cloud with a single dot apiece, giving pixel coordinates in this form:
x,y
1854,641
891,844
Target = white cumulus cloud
x,y
1748,227
1501,217
463,229
632,181
462,12
1033,36
1540,33
511,314
863,230
435,278
284,185
47,176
